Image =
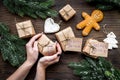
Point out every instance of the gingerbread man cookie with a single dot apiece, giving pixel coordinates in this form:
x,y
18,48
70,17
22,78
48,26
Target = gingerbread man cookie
x,y
90,22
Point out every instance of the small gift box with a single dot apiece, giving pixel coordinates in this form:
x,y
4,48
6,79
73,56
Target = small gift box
x,y
95,48
46,46
64,36
25,29
67,12
74,44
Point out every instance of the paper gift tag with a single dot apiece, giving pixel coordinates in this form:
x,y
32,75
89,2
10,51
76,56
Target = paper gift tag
x,y
99,49
74,44
50,26
94,48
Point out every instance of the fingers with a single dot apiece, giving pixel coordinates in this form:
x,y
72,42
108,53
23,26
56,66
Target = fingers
x,y
35,47
32,40
48,58
54,61
59,51
51,58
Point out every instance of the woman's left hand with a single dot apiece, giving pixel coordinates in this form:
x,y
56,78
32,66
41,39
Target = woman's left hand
x,y
32,49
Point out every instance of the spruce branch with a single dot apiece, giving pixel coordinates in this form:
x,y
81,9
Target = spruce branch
x,y
32,8
11,47
91,69
105,4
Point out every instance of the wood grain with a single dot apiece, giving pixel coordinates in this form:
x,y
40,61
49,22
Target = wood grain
x,y
60,71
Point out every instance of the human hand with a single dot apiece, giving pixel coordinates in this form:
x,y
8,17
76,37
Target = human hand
x,y
32,49
45,61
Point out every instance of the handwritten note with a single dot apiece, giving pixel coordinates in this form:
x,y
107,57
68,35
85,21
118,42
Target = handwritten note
x,y
74,44
100,49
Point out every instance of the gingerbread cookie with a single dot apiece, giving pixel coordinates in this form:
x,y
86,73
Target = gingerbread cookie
x,y
90,22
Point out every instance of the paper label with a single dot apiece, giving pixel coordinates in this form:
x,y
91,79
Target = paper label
x,y
99,49
74,44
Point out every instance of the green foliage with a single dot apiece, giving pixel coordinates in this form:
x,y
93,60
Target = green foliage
x,y
105,4
32,8
91,69
11,47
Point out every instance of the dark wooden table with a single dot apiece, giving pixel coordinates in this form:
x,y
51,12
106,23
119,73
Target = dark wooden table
x,y
60,71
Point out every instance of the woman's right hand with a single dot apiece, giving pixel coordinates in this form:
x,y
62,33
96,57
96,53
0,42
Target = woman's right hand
x,y
45,61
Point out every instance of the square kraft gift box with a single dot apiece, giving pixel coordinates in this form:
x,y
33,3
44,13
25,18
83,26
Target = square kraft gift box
x,y
46,46
25,29
67,12
68,41
64,36
95,48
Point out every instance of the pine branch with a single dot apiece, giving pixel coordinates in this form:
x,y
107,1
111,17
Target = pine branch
x,y
11,47
91,69
105,4
32,8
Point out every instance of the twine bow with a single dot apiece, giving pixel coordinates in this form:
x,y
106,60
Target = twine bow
x,y
92,48
66,12
23,28
42,45
67,38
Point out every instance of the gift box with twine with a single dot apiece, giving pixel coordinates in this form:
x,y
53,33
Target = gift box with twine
x,y
46,46
25,29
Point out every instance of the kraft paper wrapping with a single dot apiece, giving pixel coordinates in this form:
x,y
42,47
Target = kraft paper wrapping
x,y
67,12
25,29
64,36
95,48
46,46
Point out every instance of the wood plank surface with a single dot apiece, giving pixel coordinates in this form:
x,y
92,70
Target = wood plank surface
x,y
60,71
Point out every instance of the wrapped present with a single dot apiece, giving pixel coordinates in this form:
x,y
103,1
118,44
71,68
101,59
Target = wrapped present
x,y
95,48
64,36
67,12
25,29
46,46
74,44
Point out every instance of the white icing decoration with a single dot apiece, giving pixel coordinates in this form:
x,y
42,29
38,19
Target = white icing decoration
x,y
111,40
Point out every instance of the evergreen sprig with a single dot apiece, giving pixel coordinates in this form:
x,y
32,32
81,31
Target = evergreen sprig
x,y
32,8
11,47
91,69
105,4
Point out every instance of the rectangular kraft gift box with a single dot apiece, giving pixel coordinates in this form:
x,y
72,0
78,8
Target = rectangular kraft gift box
x,y
95,48
25,29
46,46
63,37
67,12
